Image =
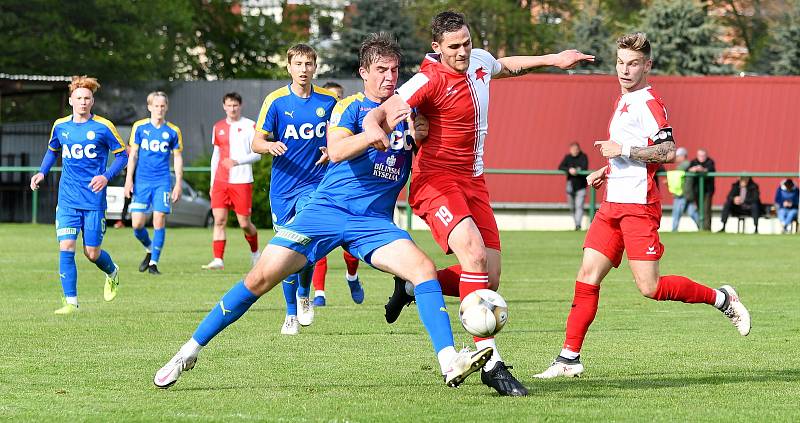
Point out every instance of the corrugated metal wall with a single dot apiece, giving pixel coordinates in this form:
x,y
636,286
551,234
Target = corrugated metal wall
x,y
195,106
746,124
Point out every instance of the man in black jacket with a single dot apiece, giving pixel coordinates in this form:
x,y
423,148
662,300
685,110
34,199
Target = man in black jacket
x,y
743,199
574,162
702,164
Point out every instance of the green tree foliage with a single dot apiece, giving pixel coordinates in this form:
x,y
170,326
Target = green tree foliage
x,y
684,38
749,23
591,35
786,44
135,40
374,16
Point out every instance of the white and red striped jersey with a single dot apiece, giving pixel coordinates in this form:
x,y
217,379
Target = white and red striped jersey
x,y
457,108
637,121
232,140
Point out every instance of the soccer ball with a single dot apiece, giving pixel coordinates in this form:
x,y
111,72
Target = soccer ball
x,y
483,313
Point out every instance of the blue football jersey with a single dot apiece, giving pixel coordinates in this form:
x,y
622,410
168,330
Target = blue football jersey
x,y
85,149
300,123
155,145
367,185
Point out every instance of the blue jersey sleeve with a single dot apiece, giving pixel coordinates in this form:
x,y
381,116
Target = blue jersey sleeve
x,y
345,115
54,144
267,122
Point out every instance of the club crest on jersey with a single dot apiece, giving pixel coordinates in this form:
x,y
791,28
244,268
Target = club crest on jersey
x,y
90,135
480,73
320,112
391,160
165,135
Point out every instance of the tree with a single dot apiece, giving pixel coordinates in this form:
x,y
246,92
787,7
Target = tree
x,y
591,35
785,47
371,16
684,38
135,40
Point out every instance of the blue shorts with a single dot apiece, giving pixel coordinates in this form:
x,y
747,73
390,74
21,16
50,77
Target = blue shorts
x,y
318,229
285,209
151,197
69,222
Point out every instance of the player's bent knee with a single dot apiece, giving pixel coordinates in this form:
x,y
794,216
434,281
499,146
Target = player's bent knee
x,y
91,253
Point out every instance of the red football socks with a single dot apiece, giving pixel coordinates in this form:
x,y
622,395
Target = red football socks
x,y
253,241
219,248
320,271
351,262
679,288
581,316
449,279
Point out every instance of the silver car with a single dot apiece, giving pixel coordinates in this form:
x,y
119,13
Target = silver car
x,y
192,209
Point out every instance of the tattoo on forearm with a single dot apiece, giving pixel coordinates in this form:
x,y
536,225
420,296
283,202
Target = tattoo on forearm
x,y
517,72
659,153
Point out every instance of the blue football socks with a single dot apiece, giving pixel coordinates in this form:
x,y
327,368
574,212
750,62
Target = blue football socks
x,y
433,314
105,263
290,294
68,273
143,237
304,278
158,244
229,309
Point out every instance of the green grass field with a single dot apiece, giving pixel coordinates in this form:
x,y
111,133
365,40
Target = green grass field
x,y
645,361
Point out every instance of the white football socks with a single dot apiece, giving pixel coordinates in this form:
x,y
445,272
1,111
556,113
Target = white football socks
x,y
479,345
72,300
190,349
445,356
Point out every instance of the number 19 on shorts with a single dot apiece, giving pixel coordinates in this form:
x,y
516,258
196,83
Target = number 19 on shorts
x,y
444,215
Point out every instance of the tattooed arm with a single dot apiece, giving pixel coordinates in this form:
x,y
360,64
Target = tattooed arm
x,y
659,153
663,152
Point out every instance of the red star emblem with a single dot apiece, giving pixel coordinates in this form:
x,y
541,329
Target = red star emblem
x,y
623,109
479,74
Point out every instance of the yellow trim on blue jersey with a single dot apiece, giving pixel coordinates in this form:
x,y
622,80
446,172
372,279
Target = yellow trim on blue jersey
x,y
136,125
324,91
271,97
180,136
53,129
341,106
107,123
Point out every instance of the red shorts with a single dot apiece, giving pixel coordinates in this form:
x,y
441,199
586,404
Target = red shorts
x,y
238,197
444,200
632,228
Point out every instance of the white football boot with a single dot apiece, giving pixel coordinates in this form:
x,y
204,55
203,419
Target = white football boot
x,y
215,264
735,310
290,326
305,311
464,364
169,374
562,367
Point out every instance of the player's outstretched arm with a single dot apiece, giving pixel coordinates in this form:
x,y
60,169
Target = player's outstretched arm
x,y
133,157
519,65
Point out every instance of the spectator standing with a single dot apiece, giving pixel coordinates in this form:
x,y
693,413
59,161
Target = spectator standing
x,y
676,181
702,164
572,164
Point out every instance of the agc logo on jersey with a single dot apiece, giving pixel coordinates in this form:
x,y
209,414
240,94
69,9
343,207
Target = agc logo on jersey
x,y
79,151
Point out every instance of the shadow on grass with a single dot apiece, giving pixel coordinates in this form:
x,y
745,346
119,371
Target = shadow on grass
x,y
644,381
